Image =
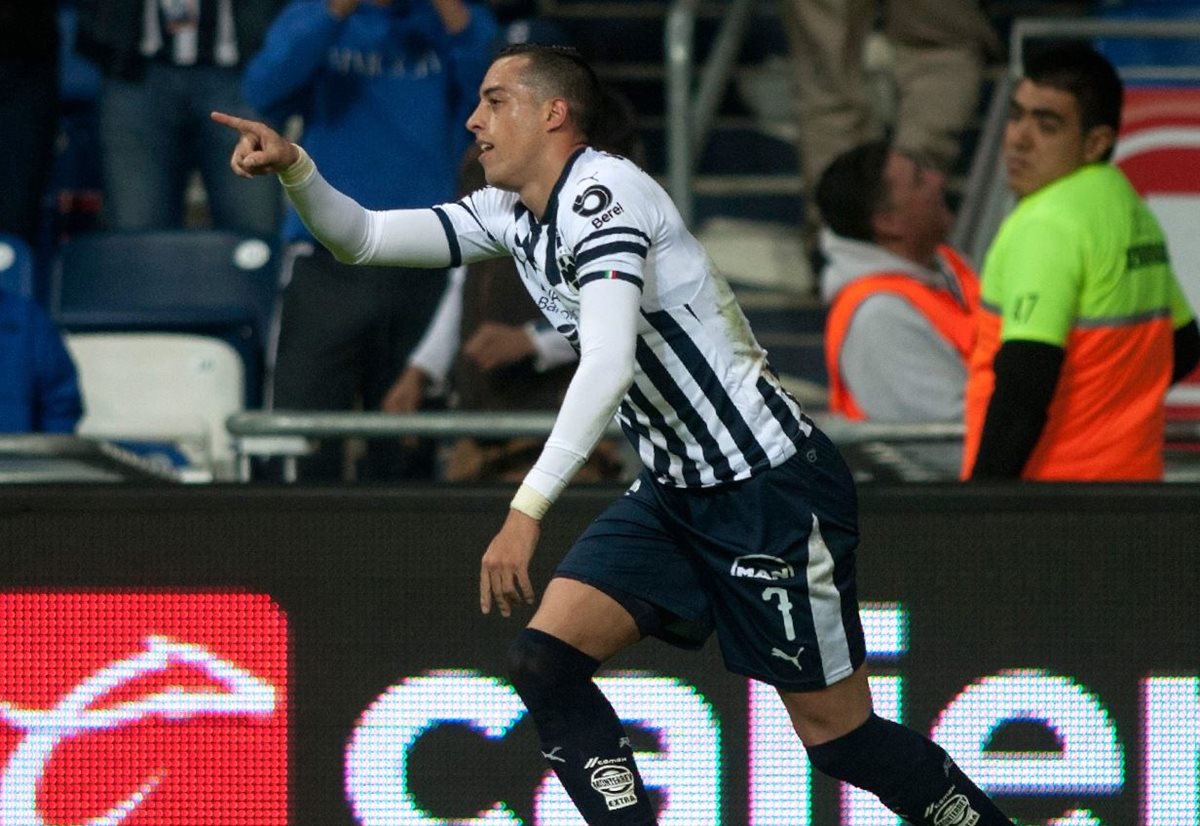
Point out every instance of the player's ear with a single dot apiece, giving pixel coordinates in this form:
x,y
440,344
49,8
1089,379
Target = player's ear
x,y
558,114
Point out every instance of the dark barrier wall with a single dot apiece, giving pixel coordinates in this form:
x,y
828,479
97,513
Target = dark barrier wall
x,y
270,656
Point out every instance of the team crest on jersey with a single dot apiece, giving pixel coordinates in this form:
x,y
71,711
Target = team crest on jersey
x,y
565,261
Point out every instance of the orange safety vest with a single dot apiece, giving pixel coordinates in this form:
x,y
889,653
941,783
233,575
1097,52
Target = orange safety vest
x,y
1106,418
954,322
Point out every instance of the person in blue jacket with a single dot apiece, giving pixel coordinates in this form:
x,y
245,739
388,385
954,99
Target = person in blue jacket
x,y
383,87
39,389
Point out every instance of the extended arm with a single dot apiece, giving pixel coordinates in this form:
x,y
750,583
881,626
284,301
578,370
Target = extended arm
x,y
355,235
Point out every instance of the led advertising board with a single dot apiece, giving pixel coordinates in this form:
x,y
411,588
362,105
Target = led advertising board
x,y
316,656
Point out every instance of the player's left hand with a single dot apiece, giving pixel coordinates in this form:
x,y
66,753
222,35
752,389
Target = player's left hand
x,y
504,571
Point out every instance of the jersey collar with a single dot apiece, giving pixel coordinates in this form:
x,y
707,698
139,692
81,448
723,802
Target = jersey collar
x,y
552,202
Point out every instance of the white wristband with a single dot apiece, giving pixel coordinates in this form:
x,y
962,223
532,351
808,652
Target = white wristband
x,y
300,171
529,502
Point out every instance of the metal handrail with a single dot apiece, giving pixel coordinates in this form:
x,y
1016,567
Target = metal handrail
x,y
689,119
1040,28
679,33
371,425
287,434
978,208
495,425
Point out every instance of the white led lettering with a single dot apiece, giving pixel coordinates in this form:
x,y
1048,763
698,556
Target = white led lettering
x,y
1091,760
1171,773
377,756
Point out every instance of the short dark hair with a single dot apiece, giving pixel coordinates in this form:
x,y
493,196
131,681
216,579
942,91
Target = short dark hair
x,y
852,190
561,71
616,129
616,133
1084,73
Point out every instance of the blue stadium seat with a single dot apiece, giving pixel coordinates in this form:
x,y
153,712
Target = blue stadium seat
x,y
208,282
16,266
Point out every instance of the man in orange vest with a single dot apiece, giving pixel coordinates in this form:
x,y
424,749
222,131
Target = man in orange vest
x,y
900,325
1083,326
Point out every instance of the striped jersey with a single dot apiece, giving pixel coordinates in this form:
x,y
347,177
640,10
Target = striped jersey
x,y
704,407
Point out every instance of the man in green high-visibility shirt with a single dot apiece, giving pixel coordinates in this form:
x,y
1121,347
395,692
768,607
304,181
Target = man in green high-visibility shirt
x,y
1083,326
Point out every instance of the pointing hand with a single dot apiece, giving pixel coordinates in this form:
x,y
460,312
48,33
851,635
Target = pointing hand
x,y
260,149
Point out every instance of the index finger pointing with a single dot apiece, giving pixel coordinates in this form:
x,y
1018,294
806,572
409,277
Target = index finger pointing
x,y
240,124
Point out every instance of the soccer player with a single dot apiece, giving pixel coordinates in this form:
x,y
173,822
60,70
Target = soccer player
x,y
1083,325
744,518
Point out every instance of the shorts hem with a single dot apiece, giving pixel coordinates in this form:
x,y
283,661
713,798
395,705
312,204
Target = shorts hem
x,y
802,686
649,626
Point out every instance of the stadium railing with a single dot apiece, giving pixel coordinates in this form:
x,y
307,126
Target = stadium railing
x,y
894,452
289,434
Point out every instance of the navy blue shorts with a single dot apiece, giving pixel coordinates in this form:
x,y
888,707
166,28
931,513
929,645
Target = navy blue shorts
x,y
768,562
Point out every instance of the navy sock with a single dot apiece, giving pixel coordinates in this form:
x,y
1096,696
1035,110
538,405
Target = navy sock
x,y
582,737
910,774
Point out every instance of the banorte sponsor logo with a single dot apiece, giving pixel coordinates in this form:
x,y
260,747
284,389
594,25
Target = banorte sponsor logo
x,y
140,709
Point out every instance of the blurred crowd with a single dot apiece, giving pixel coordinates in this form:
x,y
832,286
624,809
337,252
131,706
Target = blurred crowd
x,y
105,129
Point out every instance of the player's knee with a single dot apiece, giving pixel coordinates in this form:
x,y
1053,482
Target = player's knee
x,y
544,669
527,669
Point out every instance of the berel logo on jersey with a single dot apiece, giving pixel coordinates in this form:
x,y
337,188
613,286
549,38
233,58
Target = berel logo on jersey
x,y
137,709
593,200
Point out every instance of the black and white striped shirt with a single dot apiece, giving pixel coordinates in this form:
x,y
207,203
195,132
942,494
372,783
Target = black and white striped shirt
x,y
704,408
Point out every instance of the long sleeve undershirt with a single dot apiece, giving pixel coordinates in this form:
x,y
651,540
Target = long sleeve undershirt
x,y
608,317
356,235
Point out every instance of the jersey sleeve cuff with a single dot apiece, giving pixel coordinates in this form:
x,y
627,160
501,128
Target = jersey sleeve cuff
x,y
451,236
610,275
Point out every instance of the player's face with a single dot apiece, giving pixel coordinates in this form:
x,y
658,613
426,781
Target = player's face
x,y
1044,139
507,125
917,199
